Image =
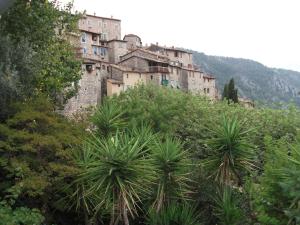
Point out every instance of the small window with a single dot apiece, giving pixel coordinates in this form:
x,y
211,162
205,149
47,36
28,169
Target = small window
x,y
151,77
207,90
95,50
140,75
99,24
103,67
175,54
94,37
84,50
104,25
127,75
83,38
89,22
119,85
89,68
177,71
103,51
204,90
107,69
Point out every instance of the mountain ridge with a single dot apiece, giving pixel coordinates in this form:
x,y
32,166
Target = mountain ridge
x,y
253,79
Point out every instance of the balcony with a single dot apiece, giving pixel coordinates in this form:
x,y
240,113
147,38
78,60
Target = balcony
x,y
158,69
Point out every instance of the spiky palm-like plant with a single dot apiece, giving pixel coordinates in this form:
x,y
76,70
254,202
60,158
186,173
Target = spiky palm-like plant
x,y
174,214
108,118
226,208
81,199
171,162
122,172
231,153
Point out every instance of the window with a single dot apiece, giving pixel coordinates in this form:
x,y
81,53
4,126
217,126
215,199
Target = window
x,y
84,50
103,51
164,77
127,75
151,77
95,50
104,25
207,90
171,69
89,68
99,24
103,36
175,54
89,22
120,45
177,71
83,38
94,37
119,85
140,75
103,67
204,90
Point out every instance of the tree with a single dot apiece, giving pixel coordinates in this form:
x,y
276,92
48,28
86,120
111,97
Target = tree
x,y
225,92
35,158
230,93
121,172
43,27
171,162
231,153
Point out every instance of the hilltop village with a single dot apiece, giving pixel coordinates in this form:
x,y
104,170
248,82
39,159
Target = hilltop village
x,y
112,64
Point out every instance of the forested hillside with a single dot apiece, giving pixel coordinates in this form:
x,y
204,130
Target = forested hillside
x,y
253,79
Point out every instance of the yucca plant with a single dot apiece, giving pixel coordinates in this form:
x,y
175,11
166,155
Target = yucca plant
x,y
174,214
109,118
226,208
171,162
122,172
81,199
231,152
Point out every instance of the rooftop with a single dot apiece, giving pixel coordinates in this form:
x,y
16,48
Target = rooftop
x,y
100,17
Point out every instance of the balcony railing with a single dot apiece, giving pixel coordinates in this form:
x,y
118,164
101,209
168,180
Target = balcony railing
x,y
158,69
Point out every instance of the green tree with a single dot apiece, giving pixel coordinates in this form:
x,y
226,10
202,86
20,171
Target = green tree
x,y
43,28
230,92
231,153
121,173
35,157
172,163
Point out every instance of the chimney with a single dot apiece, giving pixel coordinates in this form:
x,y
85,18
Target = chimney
x,y
94,13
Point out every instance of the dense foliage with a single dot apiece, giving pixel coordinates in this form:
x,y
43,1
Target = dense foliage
x,y
152,155
36,55
196,159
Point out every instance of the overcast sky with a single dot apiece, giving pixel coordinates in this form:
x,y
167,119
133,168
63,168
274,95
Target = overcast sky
x,y
267,31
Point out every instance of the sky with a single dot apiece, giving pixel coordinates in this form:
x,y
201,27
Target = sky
x,y
267,31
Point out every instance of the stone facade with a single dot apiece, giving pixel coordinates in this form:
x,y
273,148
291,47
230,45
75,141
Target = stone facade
x,y
133,41
111,65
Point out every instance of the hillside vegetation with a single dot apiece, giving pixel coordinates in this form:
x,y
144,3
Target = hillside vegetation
x,y
254,80
150,156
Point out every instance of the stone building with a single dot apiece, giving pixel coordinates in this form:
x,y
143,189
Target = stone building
x,y
99,45
112,65
133,41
